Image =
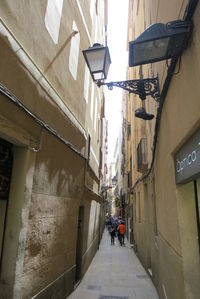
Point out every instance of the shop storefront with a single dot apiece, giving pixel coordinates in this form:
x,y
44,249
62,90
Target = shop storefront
x,y
187,171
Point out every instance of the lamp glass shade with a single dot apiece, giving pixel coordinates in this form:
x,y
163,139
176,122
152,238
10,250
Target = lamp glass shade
x,y
160,42
98,61
153,50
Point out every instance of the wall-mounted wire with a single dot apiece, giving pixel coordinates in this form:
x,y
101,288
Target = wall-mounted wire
x,y
179,66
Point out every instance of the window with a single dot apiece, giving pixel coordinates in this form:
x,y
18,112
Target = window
x,y
74,52
86,83
134,208
140,72
95,115
91,8
99,130
88,146
154,210
92,101
53,17
96,7
139,208
138,4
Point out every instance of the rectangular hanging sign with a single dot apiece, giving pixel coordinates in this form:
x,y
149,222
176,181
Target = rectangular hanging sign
x,y
187,160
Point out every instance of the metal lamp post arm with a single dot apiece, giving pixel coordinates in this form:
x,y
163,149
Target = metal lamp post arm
x,y
141,87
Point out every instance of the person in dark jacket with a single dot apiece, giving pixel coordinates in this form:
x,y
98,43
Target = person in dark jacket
x,y
112,234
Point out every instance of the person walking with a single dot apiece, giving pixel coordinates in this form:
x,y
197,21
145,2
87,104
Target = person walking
x,y
121,231
112,234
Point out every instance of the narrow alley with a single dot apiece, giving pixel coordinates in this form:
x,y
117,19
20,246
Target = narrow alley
x,y
115,273
99,125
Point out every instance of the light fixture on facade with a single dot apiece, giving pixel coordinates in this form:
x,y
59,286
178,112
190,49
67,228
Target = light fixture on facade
x,y
160,42
105,188
98,61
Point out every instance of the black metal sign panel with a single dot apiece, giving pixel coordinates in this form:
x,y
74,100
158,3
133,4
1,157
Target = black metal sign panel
x,y
187,160
5,169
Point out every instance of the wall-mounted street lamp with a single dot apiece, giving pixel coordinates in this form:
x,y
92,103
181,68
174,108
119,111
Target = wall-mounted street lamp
x,y
105,188
158,42
98,61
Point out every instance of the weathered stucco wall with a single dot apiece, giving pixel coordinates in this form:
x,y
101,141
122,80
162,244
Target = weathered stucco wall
x,y
31,16
50,169
18,80
165,228
176,212
52,225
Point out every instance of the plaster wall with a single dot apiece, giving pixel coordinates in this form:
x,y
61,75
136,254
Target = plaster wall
x,y
49,179
18,80
31,16
45,254
144,226
173,247
176,204
189,239
16,229
91,232
52,225
51,69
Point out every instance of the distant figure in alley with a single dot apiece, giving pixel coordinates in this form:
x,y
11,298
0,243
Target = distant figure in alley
x,y
112,234
121,232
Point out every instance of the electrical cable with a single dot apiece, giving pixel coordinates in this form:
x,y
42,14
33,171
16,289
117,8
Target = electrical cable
x,y
179,66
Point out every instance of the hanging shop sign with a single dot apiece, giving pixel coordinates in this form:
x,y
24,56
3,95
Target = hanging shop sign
x,y
187,160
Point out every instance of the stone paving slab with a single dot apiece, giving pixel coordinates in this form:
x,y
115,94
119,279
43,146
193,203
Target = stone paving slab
x,y
115,273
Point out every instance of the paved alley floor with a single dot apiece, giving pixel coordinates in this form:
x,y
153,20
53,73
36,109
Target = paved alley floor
x,y
115,273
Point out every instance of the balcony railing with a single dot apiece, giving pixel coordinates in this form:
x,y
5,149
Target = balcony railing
x,y
142,162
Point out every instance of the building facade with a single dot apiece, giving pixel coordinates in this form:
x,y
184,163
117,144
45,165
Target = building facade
x,y
163,181
51,138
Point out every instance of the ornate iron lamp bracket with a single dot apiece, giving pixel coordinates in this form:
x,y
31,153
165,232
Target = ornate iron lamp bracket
x,y
141,87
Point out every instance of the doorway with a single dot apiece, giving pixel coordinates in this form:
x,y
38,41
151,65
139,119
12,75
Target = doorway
x,y
79,244
197,205
189,201
6,162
